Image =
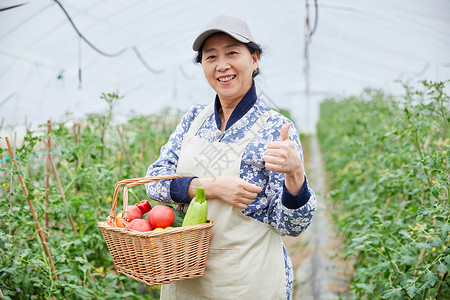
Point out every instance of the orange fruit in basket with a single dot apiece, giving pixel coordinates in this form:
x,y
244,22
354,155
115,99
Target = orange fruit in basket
x,y
110,222
120,222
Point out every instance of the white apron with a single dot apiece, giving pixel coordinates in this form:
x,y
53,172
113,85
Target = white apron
x,y
245,259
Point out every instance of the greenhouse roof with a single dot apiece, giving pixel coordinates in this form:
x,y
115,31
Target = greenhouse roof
x,y
142,50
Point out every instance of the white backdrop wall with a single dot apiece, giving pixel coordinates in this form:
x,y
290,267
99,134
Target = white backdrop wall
x,y
357,44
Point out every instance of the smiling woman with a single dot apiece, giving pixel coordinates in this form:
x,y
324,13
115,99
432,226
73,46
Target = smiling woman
x,y
252,48
228,66
249,160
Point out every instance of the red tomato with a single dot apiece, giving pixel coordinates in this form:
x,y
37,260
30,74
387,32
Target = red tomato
x,y
161,216
140,225
133,212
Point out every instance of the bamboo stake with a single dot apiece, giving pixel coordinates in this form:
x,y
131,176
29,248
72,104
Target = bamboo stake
x,y
38,226
77,134
102,136
47,175
78,139
149,155
141,156
422,252
5,175
124,148
61,190
11,186
120,160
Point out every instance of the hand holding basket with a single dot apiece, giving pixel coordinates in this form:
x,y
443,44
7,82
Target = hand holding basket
x,y
158,257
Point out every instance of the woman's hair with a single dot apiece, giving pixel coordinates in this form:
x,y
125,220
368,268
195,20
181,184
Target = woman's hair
x,y
252,47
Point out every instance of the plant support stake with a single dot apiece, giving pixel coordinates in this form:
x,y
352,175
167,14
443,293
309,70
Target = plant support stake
x,y
61,190
47,176
39,229
124,148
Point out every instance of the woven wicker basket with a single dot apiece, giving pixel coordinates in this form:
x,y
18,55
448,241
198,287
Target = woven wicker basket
x,y
158,257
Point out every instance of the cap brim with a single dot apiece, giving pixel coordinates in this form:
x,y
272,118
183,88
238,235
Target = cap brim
x,y
196,46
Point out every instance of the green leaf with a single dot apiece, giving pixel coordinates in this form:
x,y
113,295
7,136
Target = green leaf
x,y
392,293
408,259
80,260
443,231
442,268
423,245
413,210
405,233
412,291
359,247
366,287
85,267
431,278
447,260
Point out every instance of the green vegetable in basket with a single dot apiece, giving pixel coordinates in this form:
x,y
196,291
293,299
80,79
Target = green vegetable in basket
x,y
197,211
179,217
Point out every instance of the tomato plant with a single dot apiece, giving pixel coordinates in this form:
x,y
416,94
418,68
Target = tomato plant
x,y
91,155
387,162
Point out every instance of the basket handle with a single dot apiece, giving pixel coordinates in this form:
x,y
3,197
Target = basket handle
x,y
130,183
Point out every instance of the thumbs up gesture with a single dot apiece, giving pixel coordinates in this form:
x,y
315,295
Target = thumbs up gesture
x,y
282,157
284,132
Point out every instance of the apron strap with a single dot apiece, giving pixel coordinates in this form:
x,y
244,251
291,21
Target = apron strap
x,y
198,121
195,126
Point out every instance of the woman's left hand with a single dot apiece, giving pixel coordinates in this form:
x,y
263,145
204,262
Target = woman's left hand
x,y
282,157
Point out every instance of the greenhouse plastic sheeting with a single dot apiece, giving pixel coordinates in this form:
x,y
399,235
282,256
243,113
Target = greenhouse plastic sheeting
x,y
46,69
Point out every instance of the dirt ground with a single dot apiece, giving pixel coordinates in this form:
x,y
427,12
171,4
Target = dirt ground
x,y
319,267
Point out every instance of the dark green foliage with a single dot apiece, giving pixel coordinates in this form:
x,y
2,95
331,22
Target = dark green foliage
x,y
88,168
387,162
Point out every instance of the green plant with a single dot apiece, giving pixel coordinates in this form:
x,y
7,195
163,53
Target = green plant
x,y
89,164
387,161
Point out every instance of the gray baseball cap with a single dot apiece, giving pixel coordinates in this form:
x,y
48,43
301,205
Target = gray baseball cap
x,y
234,27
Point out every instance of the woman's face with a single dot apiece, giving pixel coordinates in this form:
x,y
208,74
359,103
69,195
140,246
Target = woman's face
x,y
228,66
